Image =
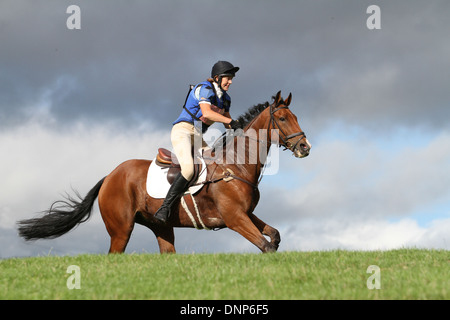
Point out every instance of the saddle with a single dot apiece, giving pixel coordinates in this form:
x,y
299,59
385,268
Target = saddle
x,y
166,159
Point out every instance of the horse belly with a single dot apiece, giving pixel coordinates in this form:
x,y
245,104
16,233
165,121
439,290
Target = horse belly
x,y
192,214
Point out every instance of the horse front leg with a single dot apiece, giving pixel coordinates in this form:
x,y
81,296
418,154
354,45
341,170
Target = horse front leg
x,y
237,220
164,234
165,237
248,230
266,230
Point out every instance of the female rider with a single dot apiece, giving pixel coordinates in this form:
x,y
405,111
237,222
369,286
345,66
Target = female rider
x,y
207,102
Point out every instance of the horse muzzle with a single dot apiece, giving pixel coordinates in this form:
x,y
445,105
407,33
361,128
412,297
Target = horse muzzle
x,y
302,148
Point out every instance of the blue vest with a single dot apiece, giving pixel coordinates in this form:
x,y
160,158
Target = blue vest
x,y
202,92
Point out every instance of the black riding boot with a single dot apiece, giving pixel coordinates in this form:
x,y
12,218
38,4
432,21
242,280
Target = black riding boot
x,y
176,190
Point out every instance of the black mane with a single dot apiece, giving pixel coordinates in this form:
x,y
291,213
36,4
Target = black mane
x,y
244,119
252,113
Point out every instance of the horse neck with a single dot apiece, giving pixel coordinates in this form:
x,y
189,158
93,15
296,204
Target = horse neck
x,y
256,142
260,126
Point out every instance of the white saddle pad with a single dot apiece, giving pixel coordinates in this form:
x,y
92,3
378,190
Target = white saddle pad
x,y
157,184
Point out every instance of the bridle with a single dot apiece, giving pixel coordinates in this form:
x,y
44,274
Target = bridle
x,y
284,137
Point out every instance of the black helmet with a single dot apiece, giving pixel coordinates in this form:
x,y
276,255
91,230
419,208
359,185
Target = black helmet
x,y
223,68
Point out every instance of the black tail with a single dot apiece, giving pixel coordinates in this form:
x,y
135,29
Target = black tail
x,y
62,217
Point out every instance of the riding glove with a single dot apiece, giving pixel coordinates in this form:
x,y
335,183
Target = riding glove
x,y
235,124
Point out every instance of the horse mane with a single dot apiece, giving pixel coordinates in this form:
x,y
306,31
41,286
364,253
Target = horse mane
x,y
252,113
244,119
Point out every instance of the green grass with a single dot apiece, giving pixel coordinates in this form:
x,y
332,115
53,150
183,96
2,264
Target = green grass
x,y
405,274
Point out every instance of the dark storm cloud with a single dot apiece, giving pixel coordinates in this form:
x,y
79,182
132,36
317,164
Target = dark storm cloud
x,y
132,61
63,94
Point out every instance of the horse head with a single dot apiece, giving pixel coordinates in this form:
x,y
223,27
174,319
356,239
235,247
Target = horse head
x,y
285,122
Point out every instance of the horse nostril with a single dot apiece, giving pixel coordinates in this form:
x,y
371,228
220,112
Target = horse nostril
x,y
304,147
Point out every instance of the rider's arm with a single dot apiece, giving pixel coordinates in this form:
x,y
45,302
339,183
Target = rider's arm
x,y
227,125
214,116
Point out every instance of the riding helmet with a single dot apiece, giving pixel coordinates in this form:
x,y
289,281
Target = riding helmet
x,y
223,68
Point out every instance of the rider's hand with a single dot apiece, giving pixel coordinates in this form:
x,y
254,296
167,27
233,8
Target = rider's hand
x,y
235,124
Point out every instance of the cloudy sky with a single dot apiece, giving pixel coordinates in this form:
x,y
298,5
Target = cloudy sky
x,y
375,105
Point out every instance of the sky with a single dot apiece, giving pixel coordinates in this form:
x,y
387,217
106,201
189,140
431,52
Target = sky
x,y
374,103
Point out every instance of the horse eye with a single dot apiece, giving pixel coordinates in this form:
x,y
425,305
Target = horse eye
x,y
282,119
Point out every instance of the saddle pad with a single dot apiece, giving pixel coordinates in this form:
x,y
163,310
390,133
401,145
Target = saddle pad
x,y
157,184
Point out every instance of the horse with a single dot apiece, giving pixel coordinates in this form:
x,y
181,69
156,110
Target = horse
x,y
227,199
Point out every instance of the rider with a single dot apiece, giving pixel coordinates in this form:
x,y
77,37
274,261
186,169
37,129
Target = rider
x,y
207,102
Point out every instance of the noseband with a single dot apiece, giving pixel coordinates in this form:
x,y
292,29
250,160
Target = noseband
x,y
284,137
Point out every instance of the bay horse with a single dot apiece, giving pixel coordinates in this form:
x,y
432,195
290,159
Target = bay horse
x,y
227,199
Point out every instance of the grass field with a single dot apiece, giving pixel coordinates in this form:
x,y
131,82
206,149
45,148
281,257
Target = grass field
x,y
404,274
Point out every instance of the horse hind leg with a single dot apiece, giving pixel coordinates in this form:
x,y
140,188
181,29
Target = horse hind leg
x,y
119,231
118,216
118,244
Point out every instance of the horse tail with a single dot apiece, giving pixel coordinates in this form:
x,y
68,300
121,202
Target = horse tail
x,y
62,216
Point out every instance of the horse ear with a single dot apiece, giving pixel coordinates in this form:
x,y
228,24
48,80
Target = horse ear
x,y
278,97
287,102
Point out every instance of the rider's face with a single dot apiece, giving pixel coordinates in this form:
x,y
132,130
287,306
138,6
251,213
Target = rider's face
x,y
226,82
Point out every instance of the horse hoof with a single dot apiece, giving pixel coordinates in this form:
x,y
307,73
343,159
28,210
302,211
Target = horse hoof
x,y
270,247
